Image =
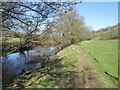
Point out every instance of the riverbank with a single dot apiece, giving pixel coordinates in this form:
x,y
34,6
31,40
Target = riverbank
x,y
71,67
56,73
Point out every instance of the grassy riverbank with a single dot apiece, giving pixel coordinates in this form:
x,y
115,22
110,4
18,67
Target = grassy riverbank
x,y
57,73
79,65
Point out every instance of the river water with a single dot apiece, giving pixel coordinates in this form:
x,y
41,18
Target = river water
x,y
17,63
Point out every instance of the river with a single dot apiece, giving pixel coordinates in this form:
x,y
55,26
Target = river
x,y
16,63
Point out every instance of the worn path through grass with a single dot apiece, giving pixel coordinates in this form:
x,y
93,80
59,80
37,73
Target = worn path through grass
x,y
84,78
103,61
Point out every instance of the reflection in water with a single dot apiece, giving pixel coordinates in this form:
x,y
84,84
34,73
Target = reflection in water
x,y
17,63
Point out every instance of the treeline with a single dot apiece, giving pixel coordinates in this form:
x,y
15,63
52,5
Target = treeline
x,y
30,24
67,29
109,33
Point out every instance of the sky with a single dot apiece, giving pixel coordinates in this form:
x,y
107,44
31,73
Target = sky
x,y
99,14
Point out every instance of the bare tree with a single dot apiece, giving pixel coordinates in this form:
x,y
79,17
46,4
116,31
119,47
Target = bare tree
x,y
69,28
27,18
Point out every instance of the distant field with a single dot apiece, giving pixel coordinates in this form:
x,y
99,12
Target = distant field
x,y
104,57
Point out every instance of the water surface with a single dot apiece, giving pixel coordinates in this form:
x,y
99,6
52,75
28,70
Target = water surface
x,y
17,63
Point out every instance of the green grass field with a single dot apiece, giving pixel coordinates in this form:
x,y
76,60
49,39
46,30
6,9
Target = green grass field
x,y
104,58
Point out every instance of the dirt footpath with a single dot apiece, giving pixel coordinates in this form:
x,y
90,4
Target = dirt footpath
x,y
83,75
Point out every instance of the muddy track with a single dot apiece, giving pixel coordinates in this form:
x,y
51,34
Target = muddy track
x,y
84,77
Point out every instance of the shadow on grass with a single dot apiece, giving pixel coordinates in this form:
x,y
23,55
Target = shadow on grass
x,y
52,74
